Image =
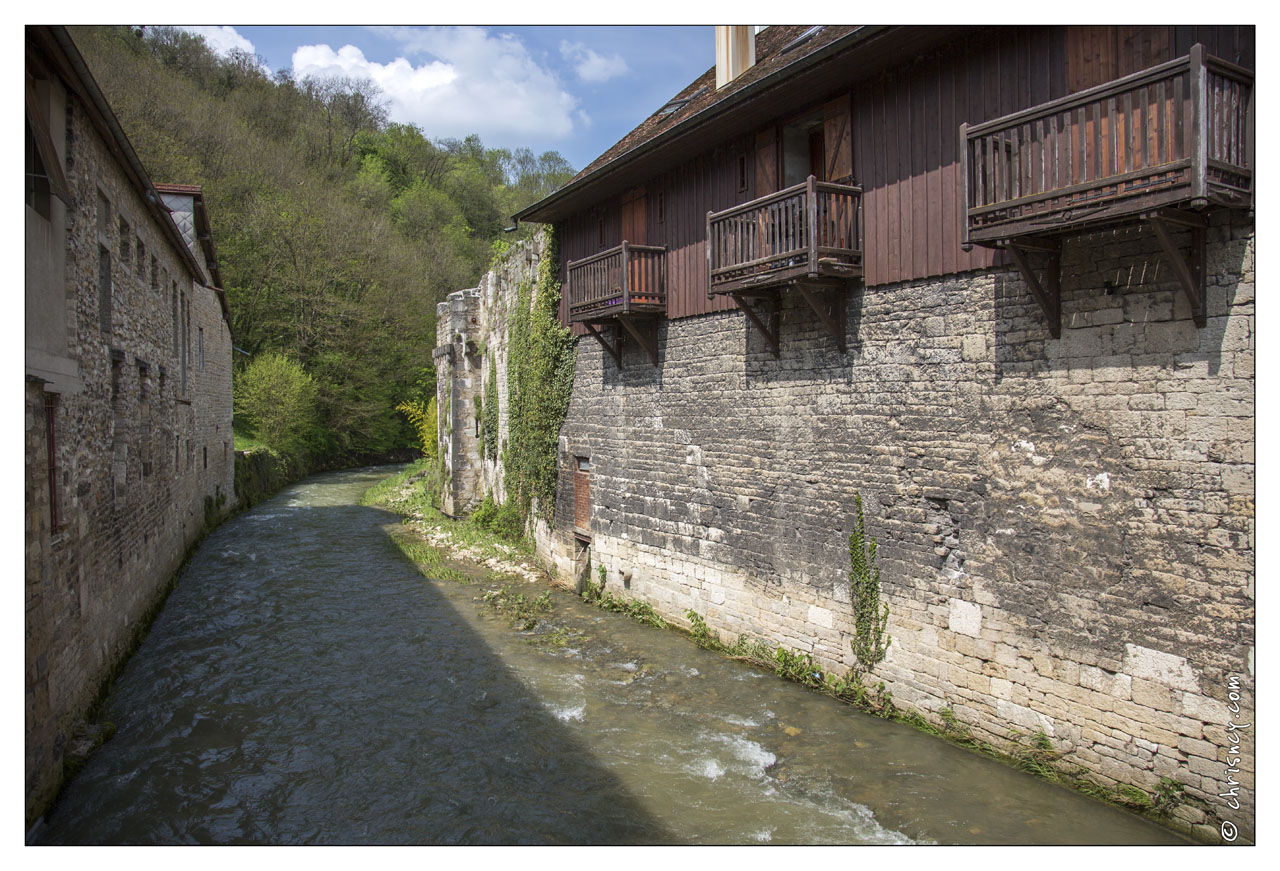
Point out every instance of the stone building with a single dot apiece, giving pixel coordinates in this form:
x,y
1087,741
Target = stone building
x,y
1022,329
127,392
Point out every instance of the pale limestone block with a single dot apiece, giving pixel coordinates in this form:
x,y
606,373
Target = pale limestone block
x,y
965,617
820,616
1167,668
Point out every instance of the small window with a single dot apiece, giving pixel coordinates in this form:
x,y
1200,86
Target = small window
x,y
206,456
142,256
51,445
584,464
124,243
104,290
155,274
200,339
104,217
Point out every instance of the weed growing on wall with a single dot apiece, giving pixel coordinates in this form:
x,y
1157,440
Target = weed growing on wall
x,y
870,615
539,379
423,419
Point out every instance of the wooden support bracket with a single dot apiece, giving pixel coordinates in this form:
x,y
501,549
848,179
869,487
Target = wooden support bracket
x,y
645,332
1190,269
1048,294
770,331
828,303
614,352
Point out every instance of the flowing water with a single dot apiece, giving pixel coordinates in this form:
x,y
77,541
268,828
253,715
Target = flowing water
x,y
305,685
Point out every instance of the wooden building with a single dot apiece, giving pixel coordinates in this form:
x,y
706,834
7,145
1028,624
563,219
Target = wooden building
x,y
911,152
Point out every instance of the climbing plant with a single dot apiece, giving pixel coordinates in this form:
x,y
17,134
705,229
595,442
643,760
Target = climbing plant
x,y
540,363
489,425
870,615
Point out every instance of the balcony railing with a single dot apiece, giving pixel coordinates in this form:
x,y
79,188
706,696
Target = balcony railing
x,y
627,279
1180,133
811,229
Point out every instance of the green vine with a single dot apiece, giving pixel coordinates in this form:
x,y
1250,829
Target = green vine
x,y
870,615
490,424
541,355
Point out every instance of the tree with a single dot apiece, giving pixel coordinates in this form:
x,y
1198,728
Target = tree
x,y
275,399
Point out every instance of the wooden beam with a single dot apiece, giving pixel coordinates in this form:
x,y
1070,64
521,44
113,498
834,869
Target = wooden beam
x,y
615,353
832,314
649,342
1049,295
1189,269
770,335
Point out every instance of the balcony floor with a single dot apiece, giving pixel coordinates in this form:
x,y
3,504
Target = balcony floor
x,y
827,269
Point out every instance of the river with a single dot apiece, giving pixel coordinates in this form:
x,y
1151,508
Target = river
x,y
304,684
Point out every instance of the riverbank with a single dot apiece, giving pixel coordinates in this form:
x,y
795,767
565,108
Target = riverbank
x,y
410,494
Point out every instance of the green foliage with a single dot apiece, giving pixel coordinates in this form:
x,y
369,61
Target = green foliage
x,y
702,634
539,380
490,425
424,422
522,613
641,612
503,520
337,232
275,399
870,616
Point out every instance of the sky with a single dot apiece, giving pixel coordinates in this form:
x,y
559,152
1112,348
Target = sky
x,y
572,89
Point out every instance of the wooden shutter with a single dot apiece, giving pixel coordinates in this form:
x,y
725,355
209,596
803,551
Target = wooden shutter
x,y
766,162
582,493
838,137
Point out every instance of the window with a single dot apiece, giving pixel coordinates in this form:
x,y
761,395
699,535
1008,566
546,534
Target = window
x,y
155,275
37,176
206,456
104,290
175,319
51,446
142,257
200,338
104,218
124,243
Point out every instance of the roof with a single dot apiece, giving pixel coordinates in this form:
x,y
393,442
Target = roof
x,y
200,232
781,51
770,57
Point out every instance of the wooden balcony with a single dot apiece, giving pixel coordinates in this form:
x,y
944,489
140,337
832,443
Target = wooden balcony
x,y
809,230
625,286
1178,134
807,237
1159,146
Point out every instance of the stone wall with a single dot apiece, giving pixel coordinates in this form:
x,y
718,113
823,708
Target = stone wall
x,y
1066,526
142,454
472,335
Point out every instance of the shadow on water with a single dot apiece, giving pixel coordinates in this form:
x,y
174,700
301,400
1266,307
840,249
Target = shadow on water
x,y
303,685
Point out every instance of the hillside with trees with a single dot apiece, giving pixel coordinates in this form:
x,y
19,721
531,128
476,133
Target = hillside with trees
x,y
338,231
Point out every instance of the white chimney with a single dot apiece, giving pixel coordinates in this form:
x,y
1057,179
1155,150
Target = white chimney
x,y
735,51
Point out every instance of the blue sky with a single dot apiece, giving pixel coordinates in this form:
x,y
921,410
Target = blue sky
x,y
574,89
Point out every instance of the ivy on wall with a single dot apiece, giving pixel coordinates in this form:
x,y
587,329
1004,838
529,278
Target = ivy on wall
x,y
489,424
541,357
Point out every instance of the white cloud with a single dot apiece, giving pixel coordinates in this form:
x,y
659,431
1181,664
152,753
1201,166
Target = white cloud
x,y
590,66
478,82
221,39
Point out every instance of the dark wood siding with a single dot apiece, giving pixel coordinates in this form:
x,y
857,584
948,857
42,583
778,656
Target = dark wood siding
x,y
905,145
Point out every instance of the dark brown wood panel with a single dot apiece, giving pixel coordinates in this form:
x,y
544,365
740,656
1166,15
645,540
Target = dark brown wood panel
x,y
903,148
